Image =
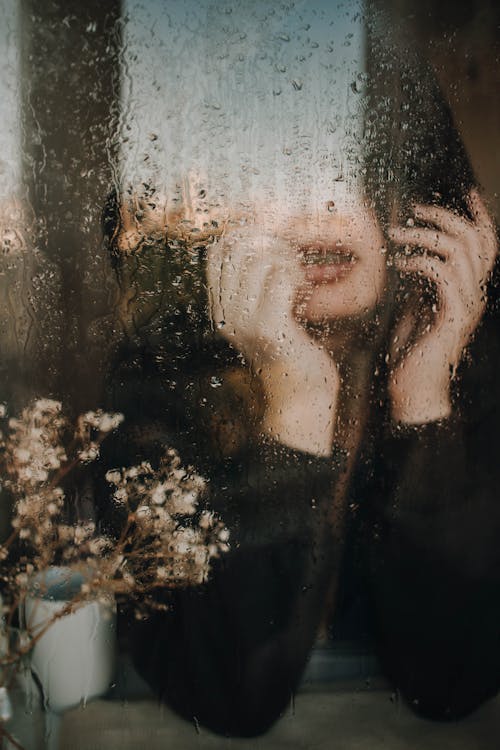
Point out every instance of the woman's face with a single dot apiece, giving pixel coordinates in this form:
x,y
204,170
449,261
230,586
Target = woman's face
x,y
339,249
345,266
342,255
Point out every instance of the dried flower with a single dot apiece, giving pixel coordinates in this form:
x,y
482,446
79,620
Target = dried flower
x,y
169,544
166,540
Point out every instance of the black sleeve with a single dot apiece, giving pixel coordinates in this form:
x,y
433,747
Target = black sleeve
x,y
435,565
229,654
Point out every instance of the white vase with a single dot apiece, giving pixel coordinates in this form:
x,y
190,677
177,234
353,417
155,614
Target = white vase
x,y
74,659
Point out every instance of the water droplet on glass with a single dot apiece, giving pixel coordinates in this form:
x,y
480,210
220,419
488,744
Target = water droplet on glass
x,y
215,381
330,205
297,85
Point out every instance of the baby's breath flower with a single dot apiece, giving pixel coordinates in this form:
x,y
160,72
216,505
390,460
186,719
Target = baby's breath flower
x,y
184,503
223,535
22,579
91,419
89,454
113,476
162,573
167,542
206,519
22,454
110,422
120,495
83,532
158,494
98,545
213,550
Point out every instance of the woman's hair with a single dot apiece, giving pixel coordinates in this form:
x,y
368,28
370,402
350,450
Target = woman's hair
x,y
412,150
172,367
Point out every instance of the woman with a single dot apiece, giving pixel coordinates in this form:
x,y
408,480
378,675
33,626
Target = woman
x,y
350,352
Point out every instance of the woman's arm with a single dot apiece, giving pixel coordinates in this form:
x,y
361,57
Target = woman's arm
x,y
230,654
435,571
253,277
436,559
450,258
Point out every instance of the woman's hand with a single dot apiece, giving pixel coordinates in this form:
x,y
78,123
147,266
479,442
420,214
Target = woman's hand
x,y
456,258
253,278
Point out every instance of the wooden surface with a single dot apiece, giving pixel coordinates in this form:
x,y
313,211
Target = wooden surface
x,y
320,720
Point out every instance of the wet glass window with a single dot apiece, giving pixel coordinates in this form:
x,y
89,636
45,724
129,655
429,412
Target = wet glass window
x,y
248,374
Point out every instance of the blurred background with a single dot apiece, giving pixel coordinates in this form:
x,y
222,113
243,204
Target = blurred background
x,y
462,41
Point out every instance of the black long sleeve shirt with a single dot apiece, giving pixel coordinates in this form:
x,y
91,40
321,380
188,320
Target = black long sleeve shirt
x,y
231,653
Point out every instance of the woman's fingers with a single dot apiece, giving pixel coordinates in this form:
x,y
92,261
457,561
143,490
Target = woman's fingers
x,y
453,299
445,249
486,237
438,243
447,282
432,269
450,289
477,237
252,279
443,218
469,245
481,216
460,231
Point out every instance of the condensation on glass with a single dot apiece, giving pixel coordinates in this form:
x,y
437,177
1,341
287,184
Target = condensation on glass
x,y
254,230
